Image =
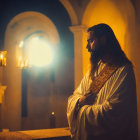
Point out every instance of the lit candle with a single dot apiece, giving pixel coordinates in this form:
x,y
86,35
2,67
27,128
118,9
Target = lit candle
x,y
1,59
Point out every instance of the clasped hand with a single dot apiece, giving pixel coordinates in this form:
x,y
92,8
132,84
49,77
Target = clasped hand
x,y
87,99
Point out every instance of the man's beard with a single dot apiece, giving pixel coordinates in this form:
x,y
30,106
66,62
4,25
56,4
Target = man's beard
x,y
97,54
95,57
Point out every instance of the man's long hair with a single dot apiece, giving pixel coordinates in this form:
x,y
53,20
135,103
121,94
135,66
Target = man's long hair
x,y
117,55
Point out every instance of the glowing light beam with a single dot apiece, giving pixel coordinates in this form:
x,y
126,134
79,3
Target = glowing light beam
x,y
39,52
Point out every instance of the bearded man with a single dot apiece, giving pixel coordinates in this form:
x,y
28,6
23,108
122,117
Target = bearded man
x,y
104,105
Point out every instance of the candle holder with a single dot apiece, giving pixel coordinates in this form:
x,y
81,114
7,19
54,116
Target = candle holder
x,y
23,63
3,58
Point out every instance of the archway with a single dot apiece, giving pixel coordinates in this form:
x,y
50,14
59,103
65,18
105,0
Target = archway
x,y
17,30
119,15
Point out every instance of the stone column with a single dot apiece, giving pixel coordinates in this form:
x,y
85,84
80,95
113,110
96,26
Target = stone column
x,y
2,89
78,32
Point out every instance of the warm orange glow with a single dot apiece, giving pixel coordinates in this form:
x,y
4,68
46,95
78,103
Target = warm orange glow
x,y
22,63
103,11
3,58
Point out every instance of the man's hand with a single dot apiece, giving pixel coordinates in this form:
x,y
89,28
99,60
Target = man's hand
x,y
82,100
87,99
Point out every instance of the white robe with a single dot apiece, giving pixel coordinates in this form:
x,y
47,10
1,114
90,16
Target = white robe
x,y
113,114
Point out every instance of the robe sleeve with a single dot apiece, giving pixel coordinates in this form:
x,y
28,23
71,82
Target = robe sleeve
x,y
116,112
72,102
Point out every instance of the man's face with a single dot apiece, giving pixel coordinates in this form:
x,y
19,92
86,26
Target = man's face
x,y
95,45
92,42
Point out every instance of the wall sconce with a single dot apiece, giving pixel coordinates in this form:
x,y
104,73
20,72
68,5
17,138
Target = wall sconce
x,y
3,58
23,63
